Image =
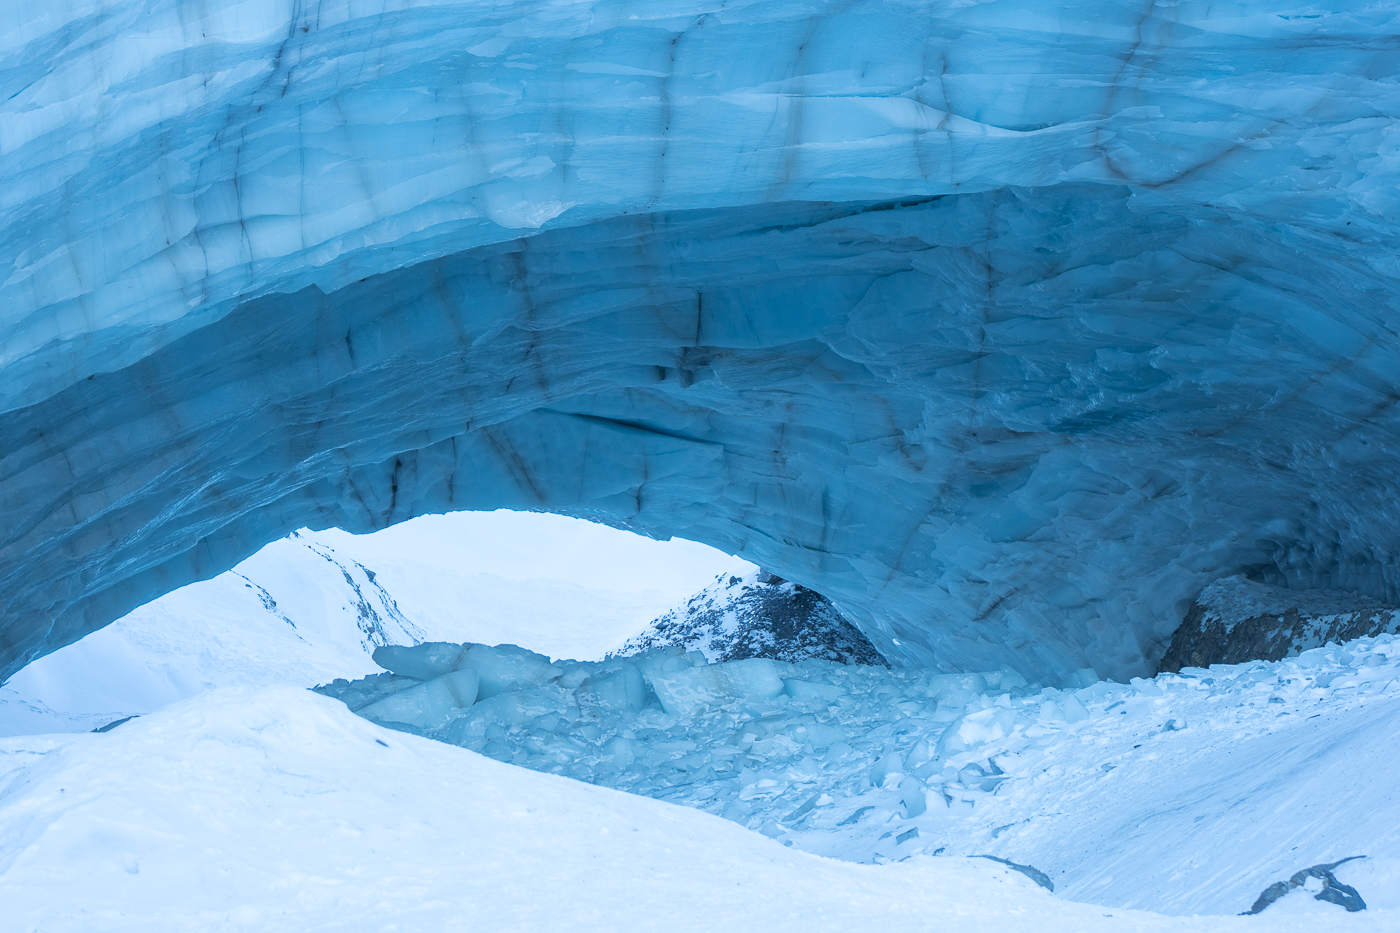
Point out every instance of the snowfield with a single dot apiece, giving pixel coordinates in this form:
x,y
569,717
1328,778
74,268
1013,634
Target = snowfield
x,y
312,606
854,798
275,809
1188,793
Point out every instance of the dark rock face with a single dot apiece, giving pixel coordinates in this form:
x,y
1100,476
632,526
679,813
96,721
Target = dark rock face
x,y
757,616
1030,871
1328,888
1236,620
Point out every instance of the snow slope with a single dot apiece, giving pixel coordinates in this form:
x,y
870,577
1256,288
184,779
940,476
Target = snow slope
x,y
273,809
311,607
1188,793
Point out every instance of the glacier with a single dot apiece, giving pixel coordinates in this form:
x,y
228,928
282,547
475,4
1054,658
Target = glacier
x,y
1006,327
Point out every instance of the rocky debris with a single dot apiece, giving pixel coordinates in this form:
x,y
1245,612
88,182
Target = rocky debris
x,y
757,616
1030,871
1318,878
1236,620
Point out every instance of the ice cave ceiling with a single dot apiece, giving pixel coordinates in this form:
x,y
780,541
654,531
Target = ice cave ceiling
x,y
1006,325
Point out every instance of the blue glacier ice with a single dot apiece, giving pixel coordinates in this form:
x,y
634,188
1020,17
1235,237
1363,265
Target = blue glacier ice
x,y
1008,326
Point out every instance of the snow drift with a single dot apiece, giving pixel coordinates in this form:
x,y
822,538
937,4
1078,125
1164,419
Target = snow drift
x,y
278,810
1006,329
1188,793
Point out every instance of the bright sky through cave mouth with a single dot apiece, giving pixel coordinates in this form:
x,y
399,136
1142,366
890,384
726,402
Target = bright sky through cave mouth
x,y
310,607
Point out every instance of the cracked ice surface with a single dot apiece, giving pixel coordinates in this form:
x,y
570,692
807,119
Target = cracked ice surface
x,y
273,265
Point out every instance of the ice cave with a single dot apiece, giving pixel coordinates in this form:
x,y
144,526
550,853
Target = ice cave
x,y
1048,350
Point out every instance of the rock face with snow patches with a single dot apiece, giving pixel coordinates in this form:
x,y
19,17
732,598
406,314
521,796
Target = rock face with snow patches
x,y
1008,332
1236,619
757,616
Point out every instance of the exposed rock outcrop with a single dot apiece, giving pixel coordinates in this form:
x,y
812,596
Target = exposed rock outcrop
x,y
1320,882
757,616
1236,620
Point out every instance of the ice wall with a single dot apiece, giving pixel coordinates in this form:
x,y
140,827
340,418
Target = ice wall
x,y
1006,325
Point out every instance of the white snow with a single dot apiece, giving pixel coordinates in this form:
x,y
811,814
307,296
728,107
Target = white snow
x,y
1188,793
273,809
267,807
311,607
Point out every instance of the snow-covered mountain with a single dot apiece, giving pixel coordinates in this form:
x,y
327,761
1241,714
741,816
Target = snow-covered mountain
x,y
757,615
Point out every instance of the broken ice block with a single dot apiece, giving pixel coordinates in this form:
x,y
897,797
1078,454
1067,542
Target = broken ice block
x,y
805,691
684,691
507,667
518,708
911,792
622,689
426,705
425,661
976,728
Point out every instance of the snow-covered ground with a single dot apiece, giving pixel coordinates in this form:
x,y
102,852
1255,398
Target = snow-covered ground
x,y
857,798
311,607
1188,793
275,809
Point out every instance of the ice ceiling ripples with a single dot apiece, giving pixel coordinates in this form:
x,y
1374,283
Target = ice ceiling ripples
x,y
752,275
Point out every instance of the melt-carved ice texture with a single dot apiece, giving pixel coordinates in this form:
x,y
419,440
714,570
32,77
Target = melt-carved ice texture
x,y
1008,326
1186,793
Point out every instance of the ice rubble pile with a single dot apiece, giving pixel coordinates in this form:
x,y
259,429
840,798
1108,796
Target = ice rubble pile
x,y
756,615
861,762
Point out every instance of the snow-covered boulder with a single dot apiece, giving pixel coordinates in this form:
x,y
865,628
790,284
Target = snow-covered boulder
x,y
1237,619
757,615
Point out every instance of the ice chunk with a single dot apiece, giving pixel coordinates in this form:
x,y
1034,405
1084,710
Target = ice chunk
x,y
1084,677
821,735
426,705
889,763
682,692
805,691
507,667
757,678
517,708
622,689
976,728
1065,708
911,793
424,662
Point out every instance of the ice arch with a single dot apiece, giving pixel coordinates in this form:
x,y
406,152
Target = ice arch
x,y
1005,326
